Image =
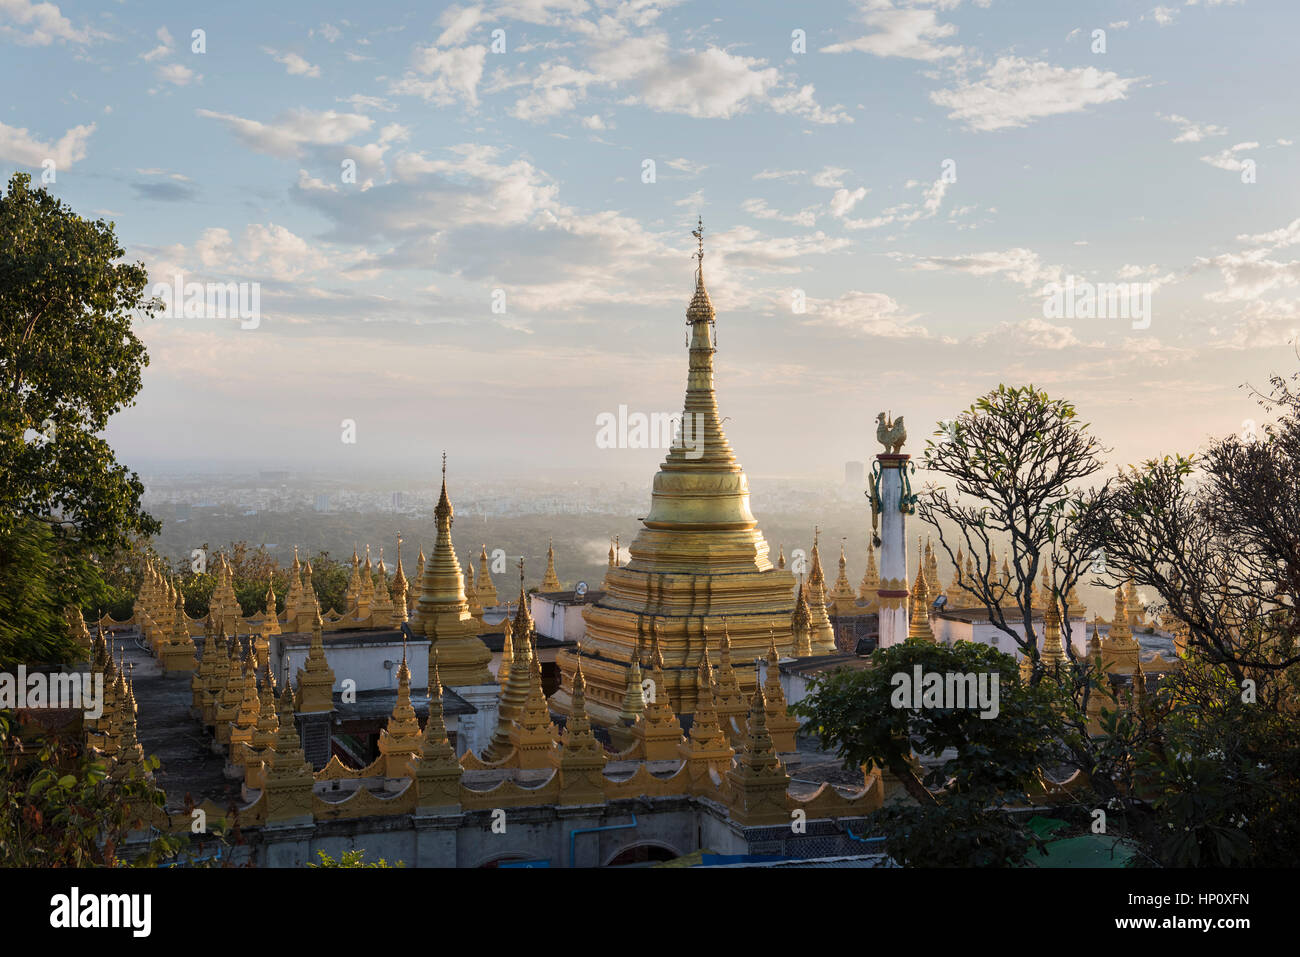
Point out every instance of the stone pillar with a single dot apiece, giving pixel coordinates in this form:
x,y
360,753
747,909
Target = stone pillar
x,y
893,550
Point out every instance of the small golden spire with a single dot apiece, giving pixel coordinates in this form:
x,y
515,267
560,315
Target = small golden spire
x,y
1053,652
550,582
801,626
919,622
507,650
484,586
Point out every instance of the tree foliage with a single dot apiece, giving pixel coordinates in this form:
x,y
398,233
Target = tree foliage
x,y
60,808
1016,460
68,361
977,765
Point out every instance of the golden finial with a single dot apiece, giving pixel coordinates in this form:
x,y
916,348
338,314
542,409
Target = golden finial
x,y
700,308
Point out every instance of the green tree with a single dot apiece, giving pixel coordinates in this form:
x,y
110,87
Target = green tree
x,y
59,807
37,583
68,361
978,765
1015,460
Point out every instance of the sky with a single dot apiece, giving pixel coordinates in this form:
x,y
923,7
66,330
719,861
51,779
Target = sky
x,y
469,225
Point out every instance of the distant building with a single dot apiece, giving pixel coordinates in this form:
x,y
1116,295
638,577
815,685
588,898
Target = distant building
x,y
322,503
854,473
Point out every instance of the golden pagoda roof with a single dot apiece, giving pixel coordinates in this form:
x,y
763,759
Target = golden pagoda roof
x,y
698,562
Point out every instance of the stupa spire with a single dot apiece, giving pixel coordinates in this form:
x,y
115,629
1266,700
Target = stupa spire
x,y
698,538
400,588
550,582
919,620
842,598
487,592
443,610
870,578
1053,652
823,634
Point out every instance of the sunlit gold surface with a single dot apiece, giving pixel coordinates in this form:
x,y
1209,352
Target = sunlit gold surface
x,y
699,561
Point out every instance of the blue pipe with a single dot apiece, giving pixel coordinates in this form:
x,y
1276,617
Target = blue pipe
x,y
865,840
573,835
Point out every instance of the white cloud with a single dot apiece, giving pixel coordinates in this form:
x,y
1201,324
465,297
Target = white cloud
x,y
907,213
40,24
458,23
870,314
288,134
686,166
1228,158
1033,332
708,84
284,255
1248,275
557,89
1191,131
694,201
898,32
712,84
547,12
759,209
1288,235
1267,323
362,102
1163,15
164,47
829,177
845,199
1015,92
454,74
264,251
294,64
176,74
788,174
19,146
1019,265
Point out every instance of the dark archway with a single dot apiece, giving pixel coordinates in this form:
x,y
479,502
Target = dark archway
x,y
641,855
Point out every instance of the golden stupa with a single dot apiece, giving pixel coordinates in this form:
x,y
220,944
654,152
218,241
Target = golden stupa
x,y
444,615
699,566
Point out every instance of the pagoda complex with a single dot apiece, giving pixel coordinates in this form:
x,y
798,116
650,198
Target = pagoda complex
x,y
699,566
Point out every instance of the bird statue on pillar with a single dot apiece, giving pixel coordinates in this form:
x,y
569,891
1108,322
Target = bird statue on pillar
x,y
890,433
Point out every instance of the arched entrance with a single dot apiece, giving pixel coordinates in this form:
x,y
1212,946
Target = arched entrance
x,y
641,855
